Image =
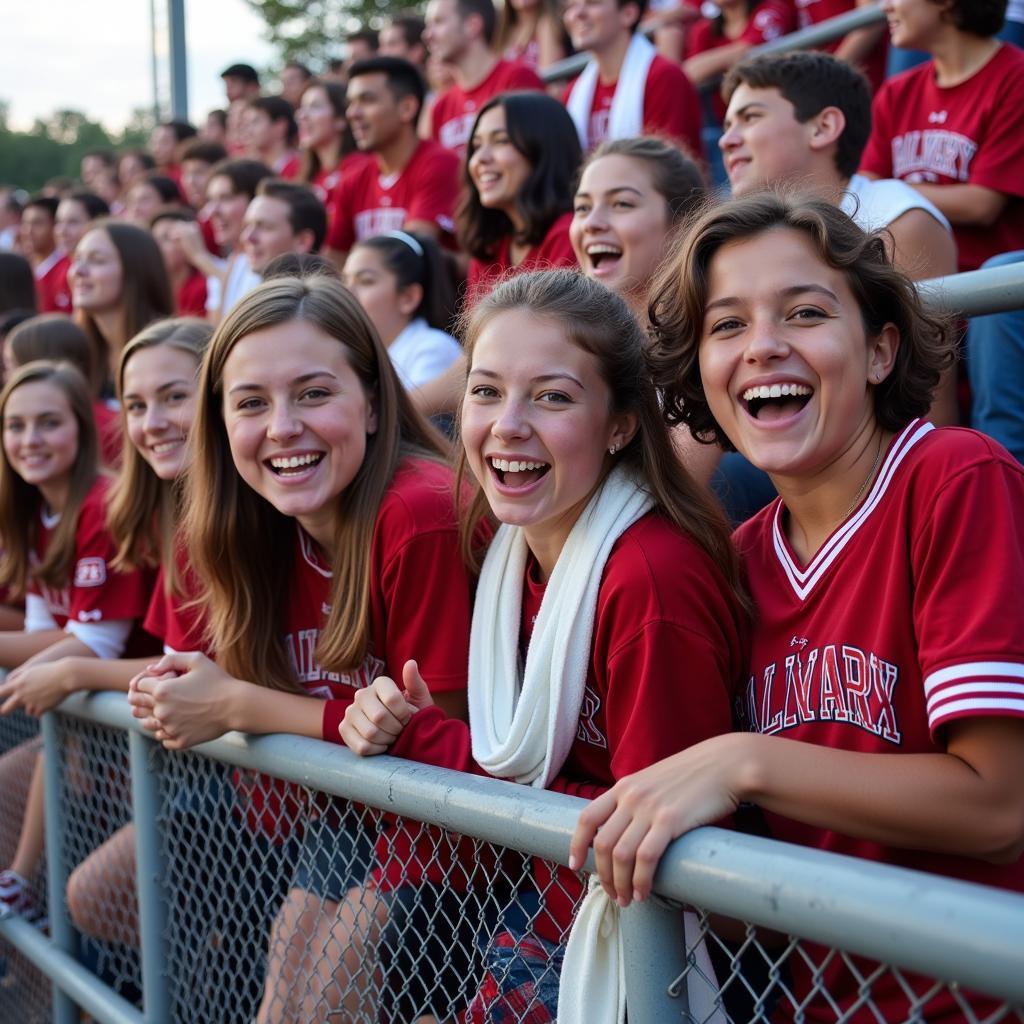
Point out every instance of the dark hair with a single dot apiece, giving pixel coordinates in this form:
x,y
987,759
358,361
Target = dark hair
x,y
246,72
297,65
145,158
203,150
277,108
676,178
305,211
883,294
94,205
426,268
301,265
642,5
811,82
411,26
541,129
335,93
484,10
182,129
17,283
364,34
978,17
221,117
718,21
166,188
244,175
11,319
55,337
183,214
401,76
106,156
47,203
599,322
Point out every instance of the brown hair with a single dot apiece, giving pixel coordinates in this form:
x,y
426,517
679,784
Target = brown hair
x,y
55,337
21,503
143,510
883,294
600,322
244,597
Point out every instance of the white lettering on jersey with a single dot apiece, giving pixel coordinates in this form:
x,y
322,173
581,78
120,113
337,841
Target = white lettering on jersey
x,y
924,156
379,221
90,572
302,655
96,615
587,730
454,134
834,683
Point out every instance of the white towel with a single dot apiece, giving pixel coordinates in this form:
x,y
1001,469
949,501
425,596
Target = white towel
x,y
626,118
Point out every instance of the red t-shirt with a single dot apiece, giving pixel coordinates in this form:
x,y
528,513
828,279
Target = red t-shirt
x,y
814,12
769,20
668,650
455,110
287,165
173,618
368,204
967,133
907,618
191,297
206,227
108,429
95,592
555,250
52,289
671,108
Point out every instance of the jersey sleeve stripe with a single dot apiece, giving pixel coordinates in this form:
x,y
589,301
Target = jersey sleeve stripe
x,y
972,671
977,690
969,708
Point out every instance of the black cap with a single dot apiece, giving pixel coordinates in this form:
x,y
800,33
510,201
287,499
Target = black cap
x,y
244,71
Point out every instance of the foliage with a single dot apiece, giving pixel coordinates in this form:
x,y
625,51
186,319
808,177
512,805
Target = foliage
x,y
54,147
313,30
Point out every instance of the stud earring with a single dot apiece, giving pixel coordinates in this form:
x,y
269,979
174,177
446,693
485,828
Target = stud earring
x,y
614,448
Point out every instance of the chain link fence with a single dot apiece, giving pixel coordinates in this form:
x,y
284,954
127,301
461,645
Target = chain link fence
x,y
281,903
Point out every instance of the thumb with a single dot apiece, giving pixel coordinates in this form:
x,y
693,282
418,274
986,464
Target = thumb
x,y
417,693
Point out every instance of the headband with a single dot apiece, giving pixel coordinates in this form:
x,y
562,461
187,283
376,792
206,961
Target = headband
x,y
404,236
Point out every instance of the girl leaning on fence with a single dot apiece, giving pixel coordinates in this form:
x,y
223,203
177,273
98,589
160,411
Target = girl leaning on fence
x,y
610,570
885,702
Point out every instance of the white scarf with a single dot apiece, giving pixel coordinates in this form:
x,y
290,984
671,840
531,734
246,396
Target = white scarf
x,y
626,118
523,727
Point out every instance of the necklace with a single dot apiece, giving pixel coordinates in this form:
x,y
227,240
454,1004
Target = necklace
x,y
864,486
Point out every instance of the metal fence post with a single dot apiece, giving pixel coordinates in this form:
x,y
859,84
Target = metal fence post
x,y
149,876
62,932
652,934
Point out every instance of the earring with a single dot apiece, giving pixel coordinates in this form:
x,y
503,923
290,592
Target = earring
x,y
614,448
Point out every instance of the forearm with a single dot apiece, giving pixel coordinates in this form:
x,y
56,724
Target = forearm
x,y
17,647
442,393
259,710
703,67
965,205
858,44
101,674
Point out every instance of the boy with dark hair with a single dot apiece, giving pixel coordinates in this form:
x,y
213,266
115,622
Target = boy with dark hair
x,y
270,133
39,247
402,37
411,183
283,216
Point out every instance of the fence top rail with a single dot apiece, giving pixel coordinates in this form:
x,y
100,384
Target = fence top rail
x,y
803,39
976,292
907,918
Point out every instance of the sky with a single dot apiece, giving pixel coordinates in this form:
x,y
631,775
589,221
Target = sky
x,y
95,56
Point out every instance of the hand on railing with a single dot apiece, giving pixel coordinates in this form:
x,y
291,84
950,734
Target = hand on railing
x,y
37,688
178,699
379,713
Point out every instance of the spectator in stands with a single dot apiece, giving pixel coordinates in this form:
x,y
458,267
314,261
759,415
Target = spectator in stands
x,y
132,167
460,34
75,213
563,434
118,286
360,45
411,183
307,447
96,167
154,192
215,127
626,89
402,37
164,143
11,202
864,48
57,553
783,329
283,216
39,245
295,76
17,284
516,204
405,287
241,84
270,135
530,32
324,137
188,283
951,128
198,158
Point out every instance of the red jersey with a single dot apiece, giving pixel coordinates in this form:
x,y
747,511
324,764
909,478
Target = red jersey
x,y
369,203
455,110
967,133
671,108
173,618
553,251
95,591
52,289
662,606
191,297
908,617
769,20
287,165
108,430
814,12
206,227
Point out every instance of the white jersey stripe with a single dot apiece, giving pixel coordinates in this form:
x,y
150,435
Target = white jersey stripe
x,y
974,670
936,700
962,707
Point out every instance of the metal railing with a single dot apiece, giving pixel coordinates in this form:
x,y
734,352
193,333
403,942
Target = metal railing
x,y
209,893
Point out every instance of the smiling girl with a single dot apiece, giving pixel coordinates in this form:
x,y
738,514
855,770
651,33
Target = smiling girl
x,y
308,451
57,552
885,576
610,568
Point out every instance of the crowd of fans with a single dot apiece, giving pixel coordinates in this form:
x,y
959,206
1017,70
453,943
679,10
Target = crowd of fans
x,y
235,361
